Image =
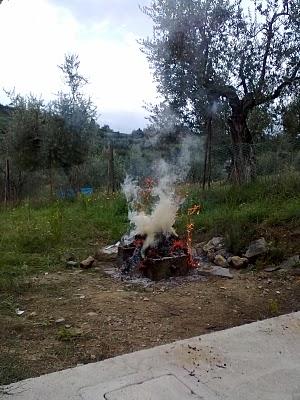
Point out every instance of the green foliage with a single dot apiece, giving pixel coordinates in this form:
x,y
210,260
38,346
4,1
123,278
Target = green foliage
x,y
68,334
274,306
46,137
74,80
259,120
208,52
70,121
275,255
13,369
34,237
234,237
291,117
217,45
5,113
238,212
8,305
24,135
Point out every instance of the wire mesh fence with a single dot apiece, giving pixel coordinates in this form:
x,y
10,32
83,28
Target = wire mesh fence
x,y
270,159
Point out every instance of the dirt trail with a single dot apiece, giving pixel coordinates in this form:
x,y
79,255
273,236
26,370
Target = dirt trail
x,y
104,318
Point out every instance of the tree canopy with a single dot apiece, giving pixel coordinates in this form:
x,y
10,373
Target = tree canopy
x,y
206,51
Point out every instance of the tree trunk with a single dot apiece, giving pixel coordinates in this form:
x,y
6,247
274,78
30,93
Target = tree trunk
x,y
243,157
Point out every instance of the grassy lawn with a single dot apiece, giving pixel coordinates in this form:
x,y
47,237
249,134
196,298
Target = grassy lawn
x,y
269,207
36,237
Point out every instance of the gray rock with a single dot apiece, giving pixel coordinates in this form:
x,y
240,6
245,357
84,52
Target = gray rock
x,y
211,255
218,241
221,261
208,247
215,243
60,321
200,245
214,270
199,248
272,268
238,262
223,252
88,263
257,248
92,314
72,264
112,249
105,256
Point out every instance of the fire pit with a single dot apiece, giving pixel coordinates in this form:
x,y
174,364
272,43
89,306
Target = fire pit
x,y
152,249
167,257
166,267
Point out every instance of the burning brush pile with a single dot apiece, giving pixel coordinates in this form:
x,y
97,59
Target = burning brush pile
x,y
153,249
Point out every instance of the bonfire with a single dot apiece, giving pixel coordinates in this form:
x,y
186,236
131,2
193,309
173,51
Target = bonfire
x,y
152,248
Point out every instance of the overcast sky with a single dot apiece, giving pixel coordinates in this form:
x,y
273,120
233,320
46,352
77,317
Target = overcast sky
x,y
35,35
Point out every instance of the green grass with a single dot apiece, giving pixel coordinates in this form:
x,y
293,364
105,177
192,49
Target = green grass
x,y
13,369
36,237
242,213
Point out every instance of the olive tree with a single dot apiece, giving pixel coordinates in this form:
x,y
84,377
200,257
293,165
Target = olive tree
x,y
219,51
70,121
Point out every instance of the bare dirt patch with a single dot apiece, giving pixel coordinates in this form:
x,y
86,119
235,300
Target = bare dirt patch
x,y
101,317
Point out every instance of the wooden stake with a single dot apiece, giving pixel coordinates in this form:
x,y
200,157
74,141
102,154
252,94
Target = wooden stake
x,y
7,182
111,170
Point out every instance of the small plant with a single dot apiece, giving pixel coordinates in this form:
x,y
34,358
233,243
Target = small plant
x,y
85,201
8,305
56,225
12,369
274,307
234,238
68,334
31,239
276,255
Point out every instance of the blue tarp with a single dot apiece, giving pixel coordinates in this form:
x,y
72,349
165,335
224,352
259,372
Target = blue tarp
x,y
87,191
71,194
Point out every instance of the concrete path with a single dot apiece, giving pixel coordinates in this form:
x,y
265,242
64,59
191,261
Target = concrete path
x,y
259,361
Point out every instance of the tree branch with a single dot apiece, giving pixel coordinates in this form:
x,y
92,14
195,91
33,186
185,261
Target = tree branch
x,y
242,75
270,35
227,91
277,92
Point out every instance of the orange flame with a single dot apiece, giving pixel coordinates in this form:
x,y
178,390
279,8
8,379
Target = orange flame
x,y
195,210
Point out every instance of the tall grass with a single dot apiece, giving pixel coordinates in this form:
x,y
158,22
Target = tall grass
x,y
241,213
36,237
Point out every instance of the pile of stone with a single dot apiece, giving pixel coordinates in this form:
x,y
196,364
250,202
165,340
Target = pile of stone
x,y
215,252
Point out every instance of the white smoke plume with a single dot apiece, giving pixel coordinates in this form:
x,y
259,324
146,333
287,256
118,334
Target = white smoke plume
x,y
160,219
